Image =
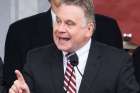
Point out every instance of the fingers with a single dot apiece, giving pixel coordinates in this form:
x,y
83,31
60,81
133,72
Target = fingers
x,y
19,76
11,91
15,87
19,85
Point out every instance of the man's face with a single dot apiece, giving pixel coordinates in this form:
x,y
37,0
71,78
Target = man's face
x,y
71,30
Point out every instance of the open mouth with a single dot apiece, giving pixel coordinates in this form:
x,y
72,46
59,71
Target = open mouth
x,y
64,38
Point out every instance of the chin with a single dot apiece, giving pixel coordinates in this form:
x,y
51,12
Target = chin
x,y
66,49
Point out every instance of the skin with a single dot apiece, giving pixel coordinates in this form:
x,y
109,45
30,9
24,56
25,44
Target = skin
x,y
19,85
71,32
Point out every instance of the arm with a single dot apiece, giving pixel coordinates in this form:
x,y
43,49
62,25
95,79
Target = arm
x,y
16,46
12,56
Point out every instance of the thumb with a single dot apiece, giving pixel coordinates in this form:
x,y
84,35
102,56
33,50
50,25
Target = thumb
x,y
19,76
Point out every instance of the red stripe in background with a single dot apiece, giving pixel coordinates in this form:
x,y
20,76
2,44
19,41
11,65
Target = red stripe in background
x,y
126,12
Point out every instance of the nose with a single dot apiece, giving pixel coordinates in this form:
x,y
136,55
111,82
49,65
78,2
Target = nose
x,y
61,28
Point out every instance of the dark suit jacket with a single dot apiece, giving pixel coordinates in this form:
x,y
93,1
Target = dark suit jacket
x,y
36,31
22,36
108,70
136,58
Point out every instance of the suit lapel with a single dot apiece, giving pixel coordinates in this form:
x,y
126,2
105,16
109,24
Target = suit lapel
x,y
57,71
91,69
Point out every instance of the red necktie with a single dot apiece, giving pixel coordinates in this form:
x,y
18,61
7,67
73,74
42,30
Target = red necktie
x,y
70,79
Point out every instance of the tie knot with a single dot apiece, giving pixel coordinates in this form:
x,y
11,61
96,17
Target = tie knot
x,y
73,58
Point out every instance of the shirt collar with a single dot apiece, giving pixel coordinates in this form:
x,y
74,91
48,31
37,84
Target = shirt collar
x,y
53,16
82,50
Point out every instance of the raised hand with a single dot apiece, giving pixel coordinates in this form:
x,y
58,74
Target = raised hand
x,y
19,85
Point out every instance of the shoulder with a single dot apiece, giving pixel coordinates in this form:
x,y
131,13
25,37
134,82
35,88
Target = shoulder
x,y
30,20
112,53
100,17
109,49
106,23
43,55
111,57
46,50
30,24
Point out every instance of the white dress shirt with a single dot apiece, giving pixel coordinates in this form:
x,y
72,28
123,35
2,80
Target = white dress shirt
x,y
53,17
82,54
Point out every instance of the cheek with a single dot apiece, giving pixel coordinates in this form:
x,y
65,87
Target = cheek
x,y
55,30
77,37
82,36
54,36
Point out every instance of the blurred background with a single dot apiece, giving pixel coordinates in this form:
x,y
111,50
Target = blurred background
x,y
127,14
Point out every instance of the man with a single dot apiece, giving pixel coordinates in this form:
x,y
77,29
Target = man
x,y
36,31
24,35
101,68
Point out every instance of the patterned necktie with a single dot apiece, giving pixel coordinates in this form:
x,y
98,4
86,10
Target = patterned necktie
x,y
70,78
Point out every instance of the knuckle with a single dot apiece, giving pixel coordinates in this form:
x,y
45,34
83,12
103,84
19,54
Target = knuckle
x,y
10,90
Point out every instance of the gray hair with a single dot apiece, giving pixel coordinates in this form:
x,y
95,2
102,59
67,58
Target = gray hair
x,y
86,5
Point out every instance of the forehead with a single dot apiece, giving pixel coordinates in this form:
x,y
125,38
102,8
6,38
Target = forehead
x,y
70,12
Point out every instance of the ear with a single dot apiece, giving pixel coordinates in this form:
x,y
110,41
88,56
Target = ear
x,y
90,29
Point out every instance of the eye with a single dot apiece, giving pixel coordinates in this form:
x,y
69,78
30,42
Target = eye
x,y
70,23
58,21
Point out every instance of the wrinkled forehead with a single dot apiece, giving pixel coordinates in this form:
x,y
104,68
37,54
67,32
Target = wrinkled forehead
x,y
71,12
